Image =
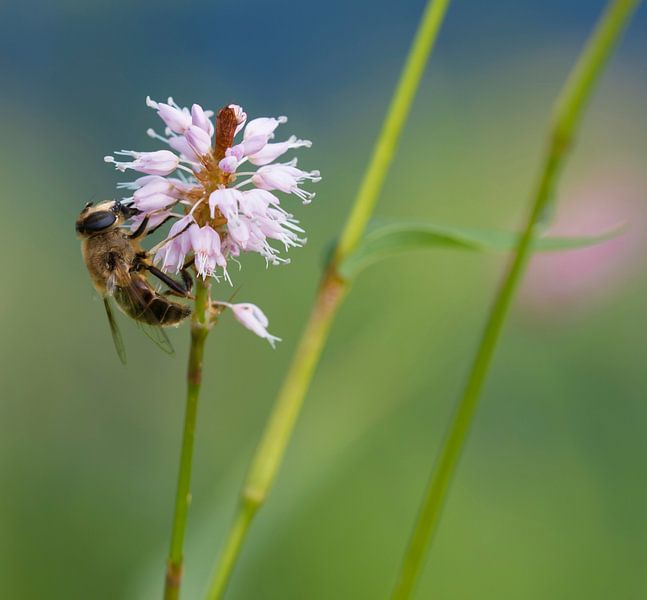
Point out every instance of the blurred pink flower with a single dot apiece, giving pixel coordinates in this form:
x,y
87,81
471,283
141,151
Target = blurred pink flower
x,y
561,282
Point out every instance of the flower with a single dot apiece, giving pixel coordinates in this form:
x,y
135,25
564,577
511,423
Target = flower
x,y
199,140
206,247
161,162
285,178
221,206
177,119
173,253
252,317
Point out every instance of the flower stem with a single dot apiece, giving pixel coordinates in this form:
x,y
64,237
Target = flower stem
x,y
199,331
270,451
567,113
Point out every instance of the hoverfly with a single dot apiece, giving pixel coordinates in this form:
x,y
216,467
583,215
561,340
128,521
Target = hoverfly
x,y
118,266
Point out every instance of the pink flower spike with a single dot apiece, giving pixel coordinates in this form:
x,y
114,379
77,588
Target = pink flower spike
x,y
160,162
241,116
270,152
199,140
263,126
176,119
240,188
199,119
254,319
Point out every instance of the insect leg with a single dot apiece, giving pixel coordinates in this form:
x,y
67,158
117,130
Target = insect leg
x,y
186,276
154,229
187,280
140,230
156,247
174,286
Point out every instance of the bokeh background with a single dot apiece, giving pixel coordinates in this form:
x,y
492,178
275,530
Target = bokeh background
x,y
551,494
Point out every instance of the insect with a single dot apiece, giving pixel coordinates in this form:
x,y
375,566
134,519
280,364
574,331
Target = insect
x,y
118,267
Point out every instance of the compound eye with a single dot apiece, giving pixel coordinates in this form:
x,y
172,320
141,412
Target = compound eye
x,y
98,221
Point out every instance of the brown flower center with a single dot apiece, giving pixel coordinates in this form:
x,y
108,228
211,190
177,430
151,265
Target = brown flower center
x,y
210,176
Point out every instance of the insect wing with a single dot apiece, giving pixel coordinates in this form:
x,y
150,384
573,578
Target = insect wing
x,y
157,335
135,292
114,330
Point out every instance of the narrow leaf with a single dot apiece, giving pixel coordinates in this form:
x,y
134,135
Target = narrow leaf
x,y
400,237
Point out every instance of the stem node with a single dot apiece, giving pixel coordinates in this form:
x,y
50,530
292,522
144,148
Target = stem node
x,y
253,497
173,574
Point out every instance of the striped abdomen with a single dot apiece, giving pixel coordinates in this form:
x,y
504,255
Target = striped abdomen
x,y
141,302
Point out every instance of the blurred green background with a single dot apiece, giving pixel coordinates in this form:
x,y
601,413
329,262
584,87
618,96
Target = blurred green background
x,y
551,494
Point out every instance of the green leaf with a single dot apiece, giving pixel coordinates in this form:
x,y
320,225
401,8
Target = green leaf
x,y
385,240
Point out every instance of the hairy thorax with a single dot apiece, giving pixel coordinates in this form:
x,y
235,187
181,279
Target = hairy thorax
x,y
104,253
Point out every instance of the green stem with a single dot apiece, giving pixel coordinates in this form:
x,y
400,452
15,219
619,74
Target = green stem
x,y
269,453
235,539
566,116
277,434
396,118
199,331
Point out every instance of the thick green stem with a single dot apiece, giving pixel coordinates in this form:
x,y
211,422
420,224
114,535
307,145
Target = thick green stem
x,y
566,116
199,331
270,451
